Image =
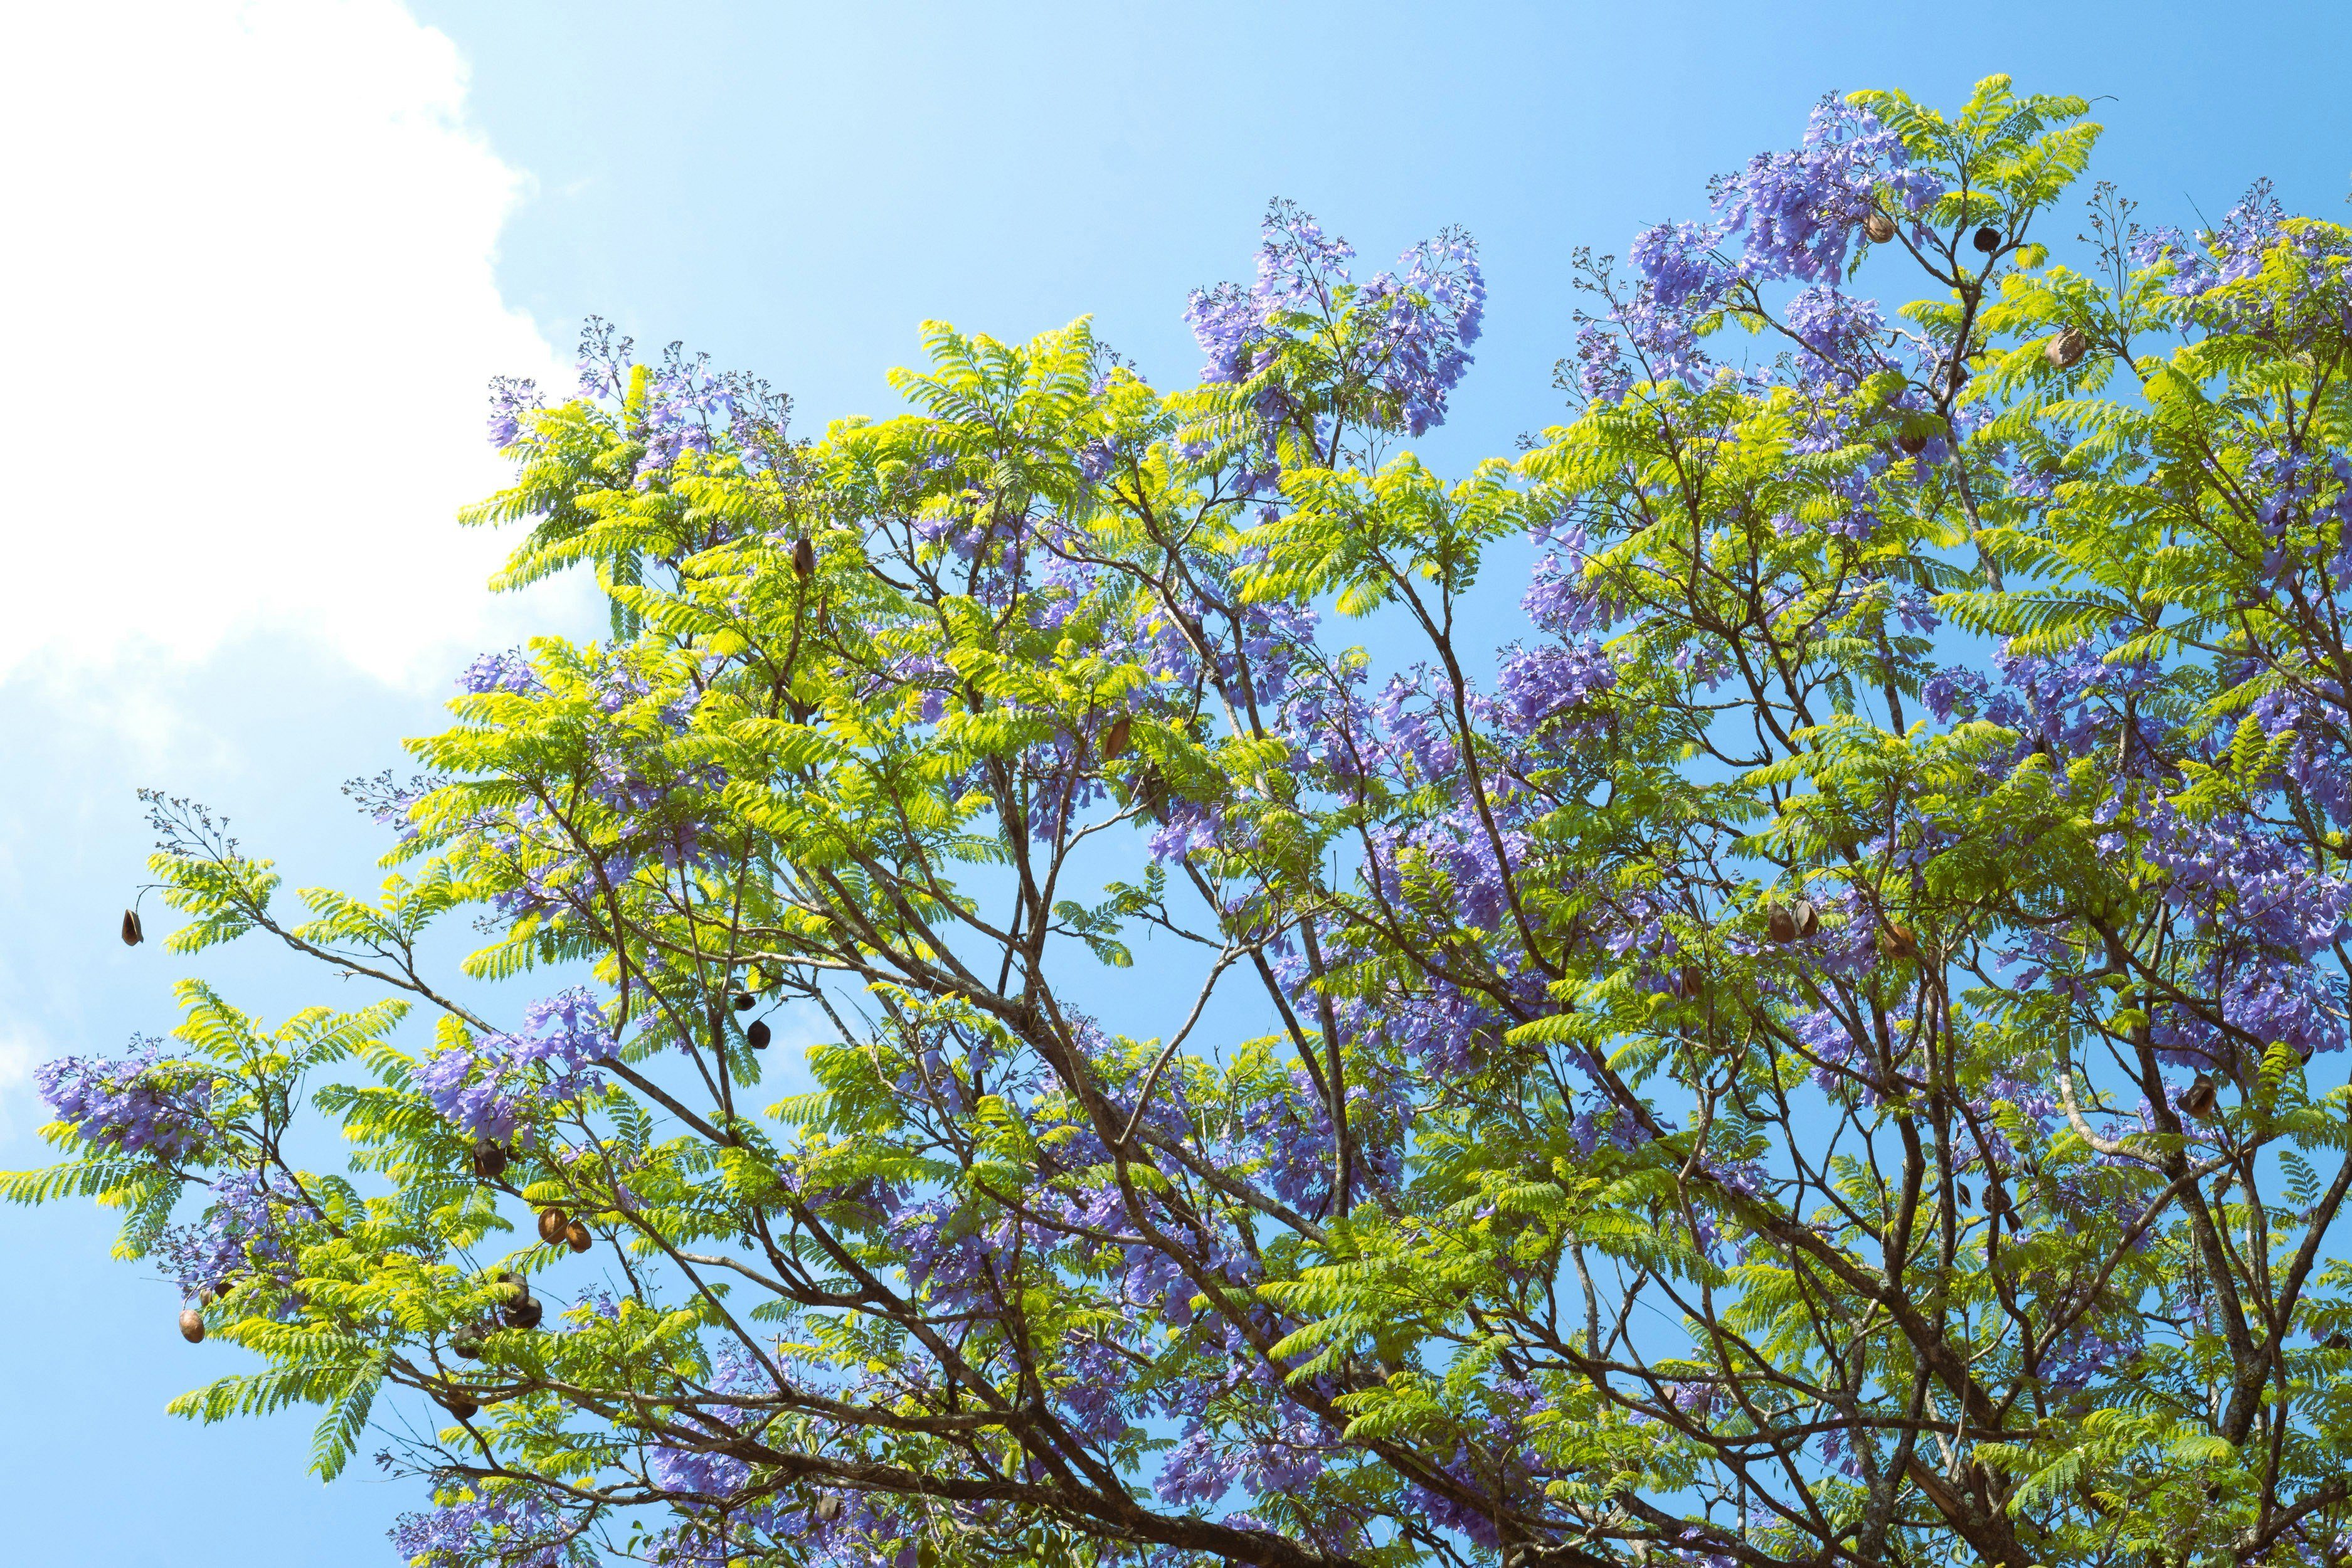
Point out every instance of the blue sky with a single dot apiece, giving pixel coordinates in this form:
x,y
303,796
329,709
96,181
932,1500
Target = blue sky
x,y
288,243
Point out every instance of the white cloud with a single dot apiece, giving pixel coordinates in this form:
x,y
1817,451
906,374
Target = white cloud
x,y
18,1051
252,313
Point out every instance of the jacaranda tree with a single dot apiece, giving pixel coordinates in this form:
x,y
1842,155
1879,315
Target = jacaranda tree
x,y
1820,1051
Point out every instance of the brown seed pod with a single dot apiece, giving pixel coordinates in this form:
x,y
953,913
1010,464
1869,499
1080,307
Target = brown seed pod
x,y
1996,1199
1896,941
804,558
1780,923
577,1237
2198,1099
1114,742
457,1405
489,1159
1914,445
759,1034
1692,979
1987,239
551,1222
2067,348
133,933
1809,918
467,1342
827,1508
192,1325
1878,228
523,1314
2338,1341
743,1000
1968,1199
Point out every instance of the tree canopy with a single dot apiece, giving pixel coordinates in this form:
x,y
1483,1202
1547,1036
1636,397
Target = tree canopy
x,y
1820,1043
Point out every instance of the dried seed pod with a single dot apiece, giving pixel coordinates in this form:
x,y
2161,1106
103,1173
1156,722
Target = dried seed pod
x,y
1968,1199
2338,1341
1780,923
1987,239
2198,1099
1896,941
1996,1199
827,1508
192,1325
2067,348
804,558
523,1314
1692,979
133,933
1913,445
457,1405
1878,228
489,1159
1809,918
758,1034
1114,742
550,1225
467,1342
577,1237
743,1000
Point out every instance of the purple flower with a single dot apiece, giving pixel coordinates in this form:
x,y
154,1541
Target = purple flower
x,y
144,1104
514,1528
508,671
496,1082
246,1229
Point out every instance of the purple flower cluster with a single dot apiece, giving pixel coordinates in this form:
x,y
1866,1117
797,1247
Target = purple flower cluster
x,y
248,1227
1405,335
513,398
144,1104
1794,215
510,672
495,1083
515,1527
1798,211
